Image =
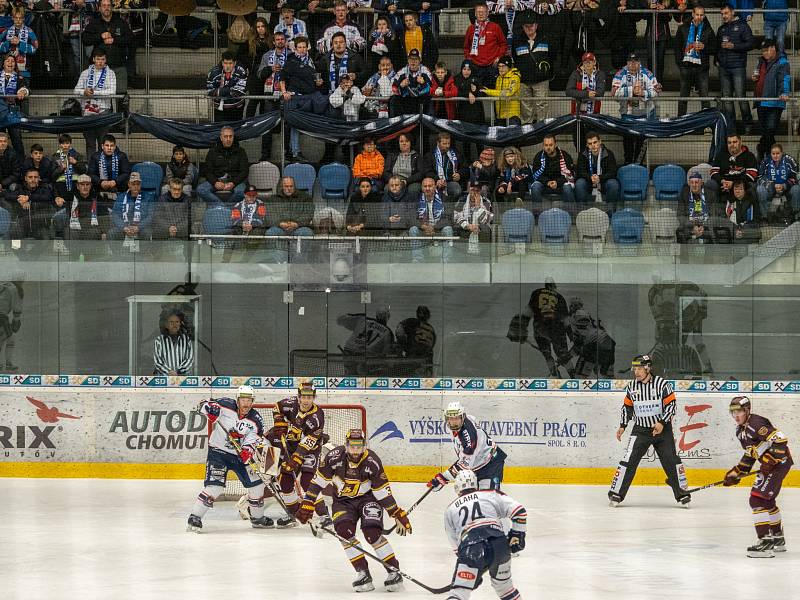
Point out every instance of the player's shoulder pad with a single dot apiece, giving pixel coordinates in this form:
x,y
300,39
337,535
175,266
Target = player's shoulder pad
x,y
468,434
227,403
373,461
335,456
761,425
256,417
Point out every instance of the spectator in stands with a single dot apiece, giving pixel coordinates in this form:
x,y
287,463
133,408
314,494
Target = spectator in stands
x,y
37,161
109,167
553,172
269,73
111,33
251,54
775,23
427,12
777,182
369,164
226,169
33,209
81,13
742,209
508,15
513,176
735,38
9,165
445,167
347,98
506,86
662,33
290,210
597,173
88,211
173,352
697,199
420,38
695,232
171,219
635,86
13,90
249,216
341,24
132,214
340,61
695,43
379,85
485,171
399,206
290,27
585,84
68,163
94,83
733,162
180,167
382,42
363,202
531,53
226,84
474,219
404,164
432,219
484,46
470,111
19,41
580,27
301,89
443,86
411,88
773,80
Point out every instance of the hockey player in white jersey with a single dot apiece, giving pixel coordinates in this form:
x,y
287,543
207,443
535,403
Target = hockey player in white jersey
x,y
474,527
245,423
475,450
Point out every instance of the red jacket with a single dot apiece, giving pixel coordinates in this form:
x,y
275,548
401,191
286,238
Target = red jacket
x,y
491,45
450,91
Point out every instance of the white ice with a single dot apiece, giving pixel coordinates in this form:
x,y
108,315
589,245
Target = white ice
x,y
116,540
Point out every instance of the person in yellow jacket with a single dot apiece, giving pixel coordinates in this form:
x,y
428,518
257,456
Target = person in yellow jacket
x,y
507,85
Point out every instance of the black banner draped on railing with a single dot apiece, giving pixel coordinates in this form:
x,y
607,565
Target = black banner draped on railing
x,y
63,124
205,135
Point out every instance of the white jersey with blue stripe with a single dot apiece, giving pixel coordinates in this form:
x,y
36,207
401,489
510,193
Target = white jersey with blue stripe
x,y
248,429
474,447
482,508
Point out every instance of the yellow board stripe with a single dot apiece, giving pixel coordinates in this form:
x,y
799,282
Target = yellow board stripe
x,y
411,473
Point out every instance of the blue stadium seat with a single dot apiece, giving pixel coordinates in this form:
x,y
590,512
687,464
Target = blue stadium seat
x,y
152,176
517,226
633,183
554,226
668,181
334,181
5,223
627,225
217,221
304,175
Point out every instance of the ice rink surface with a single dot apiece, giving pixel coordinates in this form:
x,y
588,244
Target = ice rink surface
x,y
65,539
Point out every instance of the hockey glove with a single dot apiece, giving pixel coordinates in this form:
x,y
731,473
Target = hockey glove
x,y
438,482
516,541
280,430
518,329
403,524
246,454
305,511
212,410
732,477
293,464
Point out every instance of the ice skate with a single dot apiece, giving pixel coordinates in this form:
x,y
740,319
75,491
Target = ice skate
x,y
286,522
778,542
194,524
614,500
262,523
394,582
363,582
762,549
685,501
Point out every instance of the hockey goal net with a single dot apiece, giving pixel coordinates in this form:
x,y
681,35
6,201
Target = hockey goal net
x,y
338,419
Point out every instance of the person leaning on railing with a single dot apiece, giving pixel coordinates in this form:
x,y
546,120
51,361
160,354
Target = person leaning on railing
x,y
532,56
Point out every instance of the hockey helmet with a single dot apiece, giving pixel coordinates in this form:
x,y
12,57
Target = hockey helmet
x,y
306,388
454,409
465,481
382,315
245,391
355,438
642,360
740,403
550,283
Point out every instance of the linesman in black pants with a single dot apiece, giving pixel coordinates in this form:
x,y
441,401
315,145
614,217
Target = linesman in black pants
x,y
650,403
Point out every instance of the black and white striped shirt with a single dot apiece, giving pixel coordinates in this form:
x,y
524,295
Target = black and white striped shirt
x,y
648,403
173,353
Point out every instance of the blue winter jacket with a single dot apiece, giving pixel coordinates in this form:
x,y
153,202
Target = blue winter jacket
x,y
738,32
777,81
776,17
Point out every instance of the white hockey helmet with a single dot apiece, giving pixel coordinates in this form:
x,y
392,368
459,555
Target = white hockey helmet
x,y
454,409
465,481
245,391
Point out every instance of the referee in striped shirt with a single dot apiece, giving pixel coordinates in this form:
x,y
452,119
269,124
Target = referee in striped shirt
x,y
174,350
650,403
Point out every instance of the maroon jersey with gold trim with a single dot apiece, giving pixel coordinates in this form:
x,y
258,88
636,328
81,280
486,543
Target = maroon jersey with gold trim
x,y
762,442
304,429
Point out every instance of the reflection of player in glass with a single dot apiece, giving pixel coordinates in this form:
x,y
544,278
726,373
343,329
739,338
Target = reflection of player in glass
x,y
416,337
763,444
11,295
592,346
550,326
370,339
174,350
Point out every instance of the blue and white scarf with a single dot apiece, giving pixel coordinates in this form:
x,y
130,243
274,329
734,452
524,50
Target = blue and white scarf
x,y
440,167
137,208
780,172
68,169
510,24
332,69
592,170
102,166
698,208
588,82
274,79
10,88
101,80
248,210
693,56
438,208
562,167
477,34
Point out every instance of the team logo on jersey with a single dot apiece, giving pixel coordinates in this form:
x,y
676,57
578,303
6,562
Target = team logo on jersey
x,y
763,430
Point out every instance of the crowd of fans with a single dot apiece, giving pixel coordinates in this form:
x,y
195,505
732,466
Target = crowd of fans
x,y
326,65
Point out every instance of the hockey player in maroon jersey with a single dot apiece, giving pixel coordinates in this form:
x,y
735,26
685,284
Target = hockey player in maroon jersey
x,y
767,445
362,494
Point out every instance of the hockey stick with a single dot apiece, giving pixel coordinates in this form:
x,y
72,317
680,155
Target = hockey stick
x,y
417,503
716,483
358,547
297,487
